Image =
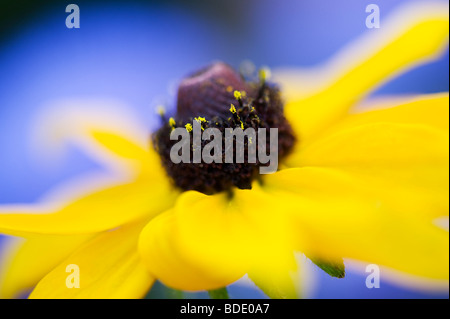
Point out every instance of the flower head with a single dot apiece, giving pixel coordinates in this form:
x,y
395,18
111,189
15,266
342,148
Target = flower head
x,y
364,185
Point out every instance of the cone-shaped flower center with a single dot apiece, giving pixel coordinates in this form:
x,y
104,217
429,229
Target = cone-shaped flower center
x,y
226,131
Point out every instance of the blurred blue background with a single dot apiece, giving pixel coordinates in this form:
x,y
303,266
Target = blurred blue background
x,y
135,51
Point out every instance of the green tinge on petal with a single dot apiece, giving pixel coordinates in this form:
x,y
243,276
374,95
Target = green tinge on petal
x,y
333,268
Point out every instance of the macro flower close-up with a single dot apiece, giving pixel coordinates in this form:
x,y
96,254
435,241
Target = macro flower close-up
x,y
344,178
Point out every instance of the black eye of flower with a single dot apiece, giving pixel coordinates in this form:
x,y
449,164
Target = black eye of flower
x,y
219,97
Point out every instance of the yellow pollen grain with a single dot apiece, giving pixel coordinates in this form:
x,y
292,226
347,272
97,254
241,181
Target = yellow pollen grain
x,y
242,125
237,95
161,110
172,122
232,109
200,119
188,127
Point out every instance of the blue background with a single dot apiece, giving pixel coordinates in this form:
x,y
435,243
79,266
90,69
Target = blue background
x,y
134,50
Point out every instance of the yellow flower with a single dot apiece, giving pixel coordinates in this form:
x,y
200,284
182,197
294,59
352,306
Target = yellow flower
x,y
365,185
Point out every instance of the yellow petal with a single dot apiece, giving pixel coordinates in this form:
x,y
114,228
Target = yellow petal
x,y
26,261
406,166
105,130
110,134
338,217
101,210
109,267
191,260
208,242
417,34
431,110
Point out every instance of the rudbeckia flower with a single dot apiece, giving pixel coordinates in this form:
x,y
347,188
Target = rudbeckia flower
x,y
363,184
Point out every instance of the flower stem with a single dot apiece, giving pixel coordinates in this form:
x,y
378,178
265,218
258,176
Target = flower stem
x,y
220,293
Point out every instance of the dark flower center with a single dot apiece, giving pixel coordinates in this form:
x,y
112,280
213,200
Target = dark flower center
x,y
218,97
